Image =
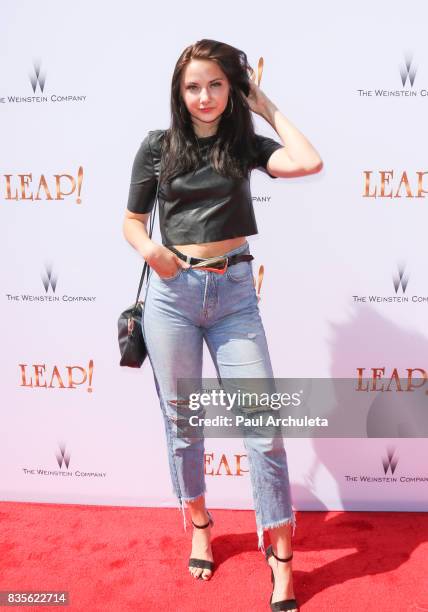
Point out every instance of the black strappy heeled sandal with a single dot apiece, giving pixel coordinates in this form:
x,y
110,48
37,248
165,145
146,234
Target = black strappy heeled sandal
x,y
285,604
203,563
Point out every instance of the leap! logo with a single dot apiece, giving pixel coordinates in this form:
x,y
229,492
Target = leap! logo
x,y
383,184
38,375
224,465
22,187
414,379
258,281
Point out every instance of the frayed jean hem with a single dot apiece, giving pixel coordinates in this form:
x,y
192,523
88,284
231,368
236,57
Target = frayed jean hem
x,y
262,528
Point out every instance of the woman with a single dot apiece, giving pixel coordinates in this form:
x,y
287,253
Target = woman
x,y
205,211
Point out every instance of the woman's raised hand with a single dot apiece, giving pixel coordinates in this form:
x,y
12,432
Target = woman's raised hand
x,y
256,98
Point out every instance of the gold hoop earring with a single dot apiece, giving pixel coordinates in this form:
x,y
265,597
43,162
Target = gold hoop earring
x,y
231,108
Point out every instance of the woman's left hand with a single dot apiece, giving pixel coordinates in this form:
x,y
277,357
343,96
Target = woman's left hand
x,y
257,99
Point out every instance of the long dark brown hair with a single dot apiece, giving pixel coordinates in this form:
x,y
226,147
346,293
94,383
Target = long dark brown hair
x,y
234,148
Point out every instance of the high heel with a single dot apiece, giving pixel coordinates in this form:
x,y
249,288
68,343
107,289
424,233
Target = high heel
x,y
203,563
284,604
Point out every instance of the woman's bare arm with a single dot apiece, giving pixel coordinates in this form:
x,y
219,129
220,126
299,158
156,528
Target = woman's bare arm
x,y
135,232
298,156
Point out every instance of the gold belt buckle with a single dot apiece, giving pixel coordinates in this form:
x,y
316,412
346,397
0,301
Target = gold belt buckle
x,y
207,265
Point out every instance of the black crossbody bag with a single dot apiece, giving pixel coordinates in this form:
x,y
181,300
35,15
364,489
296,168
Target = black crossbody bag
x,y
132,347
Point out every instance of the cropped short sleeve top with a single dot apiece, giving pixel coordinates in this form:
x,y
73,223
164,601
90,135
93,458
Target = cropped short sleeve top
x,y
199,206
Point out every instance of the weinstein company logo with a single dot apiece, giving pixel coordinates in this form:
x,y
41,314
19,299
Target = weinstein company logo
x,y
389,462
400,280
37,81
49,281
406,75
387,465
63,460
261,199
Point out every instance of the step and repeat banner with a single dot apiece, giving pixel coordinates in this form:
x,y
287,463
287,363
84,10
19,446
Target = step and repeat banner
x,y
341,254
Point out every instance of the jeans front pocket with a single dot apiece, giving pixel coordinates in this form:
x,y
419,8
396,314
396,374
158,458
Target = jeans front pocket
x,y
239,272
168,279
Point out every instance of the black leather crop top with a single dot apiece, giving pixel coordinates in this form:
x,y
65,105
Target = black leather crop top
x,y
200,206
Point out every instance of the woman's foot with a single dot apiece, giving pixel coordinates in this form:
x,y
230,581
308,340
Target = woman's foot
x,y
283,581
201,547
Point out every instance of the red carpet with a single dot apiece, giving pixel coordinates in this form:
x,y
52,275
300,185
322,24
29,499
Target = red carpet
x,y
115,558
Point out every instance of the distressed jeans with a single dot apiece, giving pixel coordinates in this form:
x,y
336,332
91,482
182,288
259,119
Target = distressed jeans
x,y
181,312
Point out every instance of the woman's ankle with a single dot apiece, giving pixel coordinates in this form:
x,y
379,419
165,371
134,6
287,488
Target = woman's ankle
x,y
198,511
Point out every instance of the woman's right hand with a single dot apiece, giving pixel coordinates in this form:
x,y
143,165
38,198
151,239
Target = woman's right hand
x,y
163,261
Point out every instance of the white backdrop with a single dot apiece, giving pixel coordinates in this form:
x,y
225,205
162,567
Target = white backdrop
x,y
105,71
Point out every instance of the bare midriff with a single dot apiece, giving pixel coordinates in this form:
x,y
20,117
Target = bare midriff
x,y
211,249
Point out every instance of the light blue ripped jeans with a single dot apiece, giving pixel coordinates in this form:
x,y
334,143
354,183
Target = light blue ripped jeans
x,y
179,313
